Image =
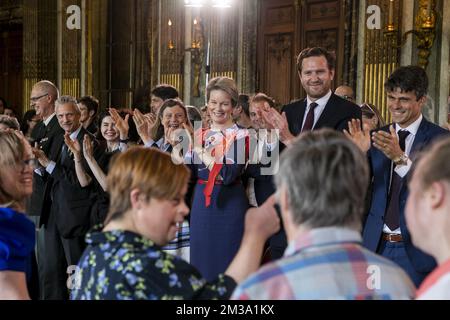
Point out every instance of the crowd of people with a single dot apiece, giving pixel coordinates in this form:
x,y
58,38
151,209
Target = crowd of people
x,y
239,199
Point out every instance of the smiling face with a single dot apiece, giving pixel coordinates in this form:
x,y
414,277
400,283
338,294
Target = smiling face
x,y
109,130
159,220
173,117
68,116
17,179
315,76
404,107
41,101
256,117
220,107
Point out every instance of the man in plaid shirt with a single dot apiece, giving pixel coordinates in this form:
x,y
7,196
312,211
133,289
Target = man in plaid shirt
x,y
321,189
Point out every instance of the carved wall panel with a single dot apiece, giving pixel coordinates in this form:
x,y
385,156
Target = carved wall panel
x,y
279,66
285,28
324,26
11,47
277,49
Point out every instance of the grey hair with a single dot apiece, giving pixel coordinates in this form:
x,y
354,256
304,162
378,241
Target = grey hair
x,y
326,177
68,100
10,122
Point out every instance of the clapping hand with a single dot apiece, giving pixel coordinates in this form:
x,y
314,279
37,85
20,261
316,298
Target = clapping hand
x,y
73,145
120,123
361,137
144,124
88,149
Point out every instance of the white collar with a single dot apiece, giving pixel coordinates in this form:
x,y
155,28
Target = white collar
x,y
320,102
74,134
47,121
412,128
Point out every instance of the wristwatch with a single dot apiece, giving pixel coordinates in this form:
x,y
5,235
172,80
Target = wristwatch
x,y
401,161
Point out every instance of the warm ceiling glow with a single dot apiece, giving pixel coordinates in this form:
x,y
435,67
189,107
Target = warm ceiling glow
x,y
170,23
214,3
222,3
193,3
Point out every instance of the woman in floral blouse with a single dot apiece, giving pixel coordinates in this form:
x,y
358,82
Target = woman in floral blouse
x,y
125,260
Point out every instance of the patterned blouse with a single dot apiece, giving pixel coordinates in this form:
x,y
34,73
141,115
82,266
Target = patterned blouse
x,y
122,265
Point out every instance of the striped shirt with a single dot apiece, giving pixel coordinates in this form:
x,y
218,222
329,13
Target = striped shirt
x,y
327,263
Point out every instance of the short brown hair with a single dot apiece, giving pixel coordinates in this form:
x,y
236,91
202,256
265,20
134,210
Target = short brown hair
x,y
262,97
157,131
147,169
10,122
225,84
316,52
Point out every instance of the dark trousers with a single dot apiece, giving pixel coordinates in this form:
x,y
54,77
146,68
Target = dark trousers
x,y
395,251
56,254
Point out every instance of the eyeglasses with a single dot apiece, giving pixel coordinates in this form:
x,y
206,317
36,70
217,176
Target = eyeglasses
x,y
35,99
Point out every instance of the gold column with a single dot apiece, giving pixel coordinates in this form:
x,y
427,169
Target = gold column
x,y
382,56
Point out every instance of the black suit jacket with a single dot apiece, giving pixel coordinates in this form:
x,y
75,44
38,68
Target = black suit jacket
x,y
336,115
45,137
71,203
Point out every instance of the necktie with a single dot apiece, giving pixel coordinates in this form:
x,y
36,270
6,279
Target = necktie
x,y
64,153
309,122
393,210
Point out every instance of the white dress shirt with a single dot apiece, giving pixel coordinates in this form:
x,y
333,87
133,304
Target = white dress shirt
x,y
321,103
402,171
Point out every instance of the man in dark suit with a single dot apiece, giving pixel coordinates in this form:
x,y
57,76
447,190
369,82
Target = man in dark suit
x,y
66,224
392,154
321,109
42,99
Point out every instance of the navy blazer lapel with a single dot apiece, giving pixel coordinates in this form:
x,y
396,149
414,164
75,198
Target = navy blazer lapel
x,y
298,118
421,138
380,159
328,113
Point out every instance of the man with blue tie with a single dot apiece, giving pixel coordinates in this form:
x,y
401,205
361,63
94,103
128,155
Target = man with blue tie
x,y
321,109
392,154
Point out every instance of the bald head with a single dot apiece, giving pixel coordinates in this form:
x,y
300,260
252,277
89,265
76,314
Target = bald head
x,y
345,92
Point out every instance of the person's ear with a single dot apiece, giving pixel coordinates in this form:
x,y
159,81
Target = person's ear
x,y
332,72
437,193
423,100
91,113
284,203
135,199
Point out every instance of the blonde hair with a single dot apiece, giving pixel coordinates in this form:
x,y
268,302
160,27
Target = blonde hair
x,y
225,84
12,152
147,169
